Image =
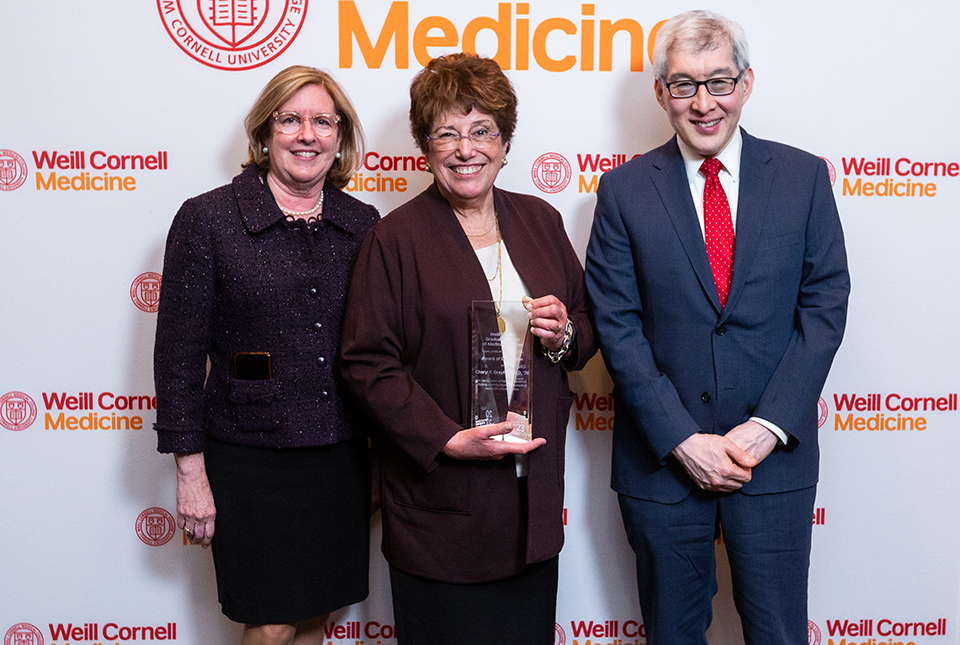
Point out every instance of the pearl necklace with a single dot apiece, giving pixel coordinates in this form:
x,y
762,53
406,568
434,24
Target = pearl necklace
x,y
313,210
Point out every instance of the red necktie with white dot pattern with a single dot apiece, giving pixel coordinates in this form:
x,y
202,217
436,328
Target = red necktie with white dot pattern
x,y
719,228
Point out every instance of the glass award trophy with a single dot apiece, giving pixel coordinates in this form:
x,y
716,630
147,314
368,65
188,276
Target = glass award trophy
x,y
500,376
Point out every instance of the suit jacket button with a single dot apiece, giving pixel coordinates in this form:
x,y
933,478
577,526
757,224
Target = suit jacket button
x,y
705,397
720,330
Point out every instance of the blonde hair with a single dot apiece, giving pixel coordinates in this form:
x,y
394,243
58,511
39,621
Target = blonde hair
x,y
277,92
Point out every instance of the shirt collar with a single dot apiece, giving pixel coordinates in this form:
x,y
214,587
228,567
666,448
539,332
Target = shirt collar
x,y
729,156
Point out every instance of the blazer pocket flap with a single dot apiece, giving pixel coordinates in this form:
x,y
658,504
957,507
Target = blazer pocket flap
x,y
256,405
259,391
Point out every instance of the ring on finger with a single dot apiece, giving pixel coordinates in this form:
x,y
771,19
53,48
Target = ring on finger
x,y
188,532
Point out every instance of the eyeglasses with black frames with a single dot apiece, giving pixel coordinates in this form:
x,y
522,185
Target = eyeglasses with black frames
x,y
481,137
686,89
324,125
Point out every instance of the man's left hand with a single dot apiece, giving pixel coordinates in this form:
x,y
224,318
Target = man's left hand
x,y
754,439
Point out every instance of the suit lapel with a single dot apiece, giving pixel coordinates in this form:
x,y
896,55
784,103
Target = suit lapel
x,y
756,184
674,190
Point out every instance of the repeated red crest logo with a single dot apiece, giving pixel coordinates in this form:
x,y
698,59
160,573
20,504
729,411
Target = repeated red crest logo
x,y
822,412
23,634
155,526
145,291
813,633
13,170
831,170
560,637
18,411
551,172
233,34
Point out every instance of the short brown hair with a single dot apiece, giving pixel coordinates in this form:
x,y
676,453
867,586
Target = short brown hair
x,y
277,92
462,82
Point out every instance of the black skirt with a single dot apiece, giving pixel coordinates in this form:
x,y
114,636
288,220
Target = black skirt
x,y
519,610
291,535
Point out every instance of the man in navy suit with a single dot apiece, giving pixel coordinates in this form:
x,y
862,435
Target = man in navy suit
x,y
717,270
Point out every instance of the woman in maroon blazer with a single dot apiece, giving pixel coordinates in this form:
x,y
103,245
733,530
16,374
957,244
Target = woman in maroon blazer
x,y
472,525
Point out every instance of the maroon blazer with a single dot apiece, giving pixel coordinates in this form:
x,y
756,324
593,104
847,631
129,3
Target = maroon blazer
x,y
406,355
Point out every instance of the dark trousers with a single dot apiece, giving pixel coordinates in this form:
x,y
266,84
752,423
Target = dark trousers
x,y
767,538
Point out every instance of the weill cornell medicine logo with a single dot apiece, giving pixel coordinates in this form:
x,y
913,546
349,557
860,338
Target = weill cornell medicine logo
x,y
64,634
23,634
233,34
155,526
145,291
17,411
813,633
551,172
13,170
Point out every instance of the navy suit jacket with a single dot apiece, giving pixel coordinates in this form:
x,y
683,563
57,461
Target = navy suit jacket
x,y
680,363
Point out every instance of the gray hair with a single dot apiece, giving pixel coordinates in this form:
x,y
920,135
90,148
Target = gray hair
x,y
702,31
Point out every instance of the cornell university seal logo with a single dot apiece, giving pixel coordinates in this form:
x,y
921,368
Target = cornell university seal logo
x,y
233,34
551,172
145,291
13,170
17,411
23,634
155,526
822,412
831,170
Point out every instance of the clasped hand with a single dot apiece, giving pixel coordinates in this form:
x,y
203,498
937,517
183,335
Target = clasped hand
x,y
724,463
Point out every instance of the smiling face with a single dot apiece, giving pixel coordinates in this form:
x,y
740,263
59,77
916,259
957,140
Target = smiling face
x,y
300,161
465,175
704,122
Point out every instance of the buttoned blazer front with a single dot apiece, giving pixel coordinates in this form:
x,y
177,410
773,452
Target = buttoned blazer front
x,y
406,354
238,278
681,364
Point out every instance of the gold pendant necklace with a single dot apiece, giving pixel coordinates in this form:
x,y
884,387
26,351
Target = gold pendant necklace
x,y
501,325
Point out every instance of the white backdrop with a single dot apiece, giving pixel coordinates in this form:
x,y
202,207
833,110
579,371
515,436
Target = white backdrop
x,y
153,94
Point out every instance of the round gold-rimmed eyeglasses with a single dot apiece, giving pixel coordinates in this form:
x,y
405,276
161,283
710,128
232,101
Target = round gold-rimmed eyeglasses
x,y
449,139
324,125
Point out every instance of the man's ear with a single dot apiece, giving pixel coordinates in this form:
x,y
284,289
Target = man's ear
x,y
747,83
660,90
